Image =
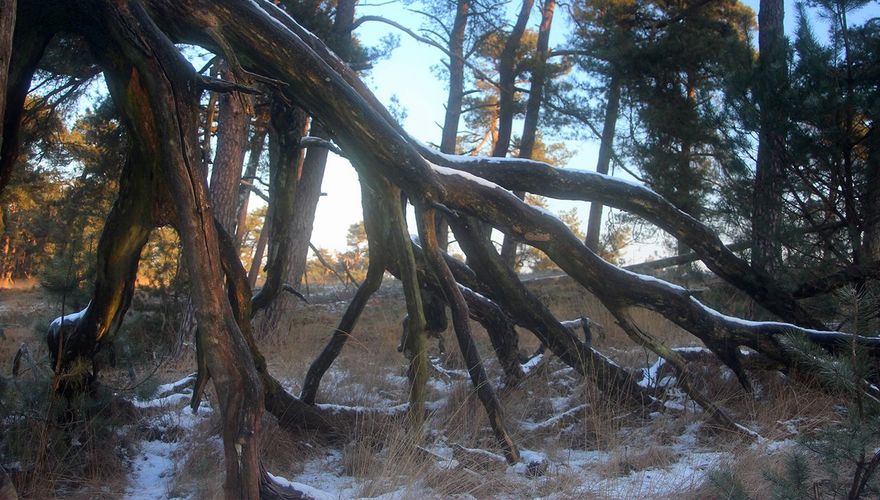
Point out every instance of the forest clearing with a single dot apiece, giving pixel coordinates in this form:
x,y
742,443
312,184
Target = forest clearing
x,y
171,329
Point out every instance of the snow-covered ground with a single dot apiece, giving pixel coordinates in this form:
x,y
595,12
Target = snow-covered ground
x,y
166,446
564,473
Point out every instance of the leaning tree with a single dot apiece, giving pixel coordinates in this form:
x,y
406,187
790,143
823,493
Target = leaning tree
x,y
156,92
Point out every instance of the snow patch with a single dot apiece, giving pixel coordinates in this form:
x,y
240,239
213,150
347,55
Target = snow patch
x,y
172,400
466,175
68,319
307,490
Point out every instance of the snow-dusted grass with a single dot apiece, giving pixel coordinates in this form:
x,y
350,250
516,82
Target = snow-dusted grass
x,y
575,441
168,441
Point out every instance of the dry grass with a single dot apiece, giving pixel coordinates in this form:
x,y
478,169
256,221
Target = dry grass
x,y
201,470
385,458
626,460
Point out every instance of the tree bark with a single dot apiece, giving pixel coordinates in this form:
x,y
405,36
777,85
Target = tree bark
x,y
310,176
606,146
7,28
545,180
305,204
769,180
259,251
232,133
255,152
449,136
388,199
124,235
507,80
463,334
539,79
286,129
377,234
32,33
528,311
533,110
157,93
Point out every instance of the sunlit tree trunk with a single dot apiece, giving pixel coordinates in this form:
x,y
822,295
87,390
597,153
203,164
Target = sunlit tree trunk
x,y
259,251
255,151
157,92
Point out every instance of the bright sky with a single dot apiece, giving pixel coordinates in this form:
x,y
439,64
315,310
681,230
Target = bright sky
x,y
408,75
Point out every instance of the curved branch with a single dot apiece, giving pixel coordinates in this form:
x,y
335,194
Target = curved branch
x,y
543,179
615,286
376,233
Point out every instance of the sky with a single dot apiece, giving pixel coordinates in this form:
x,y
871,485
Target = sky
x,y
408,75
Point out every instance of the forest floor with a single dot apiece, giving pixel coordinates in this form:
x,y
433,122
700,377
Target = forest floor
x,y
575,442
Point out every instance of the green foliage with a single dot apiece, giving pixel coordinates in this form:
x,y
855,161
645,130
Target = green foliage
x,y
845,450
59,444
680,67
60,192
793,482
726,485
833,99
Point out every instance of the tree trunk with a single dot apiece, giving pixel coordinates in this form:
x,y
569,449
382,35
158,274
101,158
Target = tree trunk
x,y
255,151
872,197
378,233
259,251
232,129
507,80
156,90
539,78
466,343
769,178
124,235
286,129
31,35
612,106
533,110
449,136
7,28
310,175
232,134
308,193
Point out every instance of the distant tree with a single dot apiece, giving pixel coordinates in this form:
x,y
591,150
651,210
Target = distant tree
x,y
604,36
670,64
